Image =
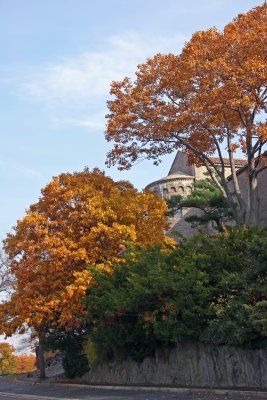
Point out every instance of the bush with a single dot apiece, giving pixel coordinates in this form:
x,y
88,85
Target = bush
x,y
148,301
71,344
207,288
75,364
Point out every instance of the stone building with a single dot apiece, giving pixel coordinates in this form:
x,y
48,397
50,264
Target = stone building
x,y
242,177
180,181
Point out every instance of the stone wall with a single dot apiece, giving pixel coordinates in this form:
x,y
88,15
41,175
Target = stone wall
x,y
166,188
180,226
190,363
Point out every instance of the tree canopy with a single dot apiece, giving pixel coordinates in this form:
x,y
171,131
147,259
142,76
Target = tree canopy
x,y
211,96
209,288
8,361
25,363
81,218
207,198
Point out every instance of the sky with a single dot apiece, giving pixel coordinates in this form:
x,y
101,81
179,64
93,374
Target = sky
x,y
57,60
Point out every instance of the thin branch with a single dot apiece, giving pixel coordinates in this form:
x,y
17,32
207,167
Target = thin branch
x,y
217,147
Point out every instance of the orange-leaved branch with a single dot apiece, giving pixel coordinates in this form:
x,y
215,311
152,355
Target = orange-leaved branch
x,y
208,100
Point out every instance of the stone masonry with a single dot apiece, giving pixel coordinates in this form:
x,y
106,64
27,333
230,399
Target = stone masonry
x,y
189,363
180,181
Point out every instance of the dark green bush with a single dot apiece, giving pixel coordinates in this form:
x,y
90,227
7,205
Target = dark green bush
x,y
207,288
75,364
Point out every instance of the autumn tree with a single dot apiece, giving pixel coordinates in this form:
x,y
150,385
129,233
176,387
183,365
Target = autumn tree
x,y
25,363
81,218
8,362
209,98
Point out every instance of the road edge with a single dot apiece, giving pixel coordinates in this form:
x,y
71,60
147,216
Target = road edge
x,y
222,391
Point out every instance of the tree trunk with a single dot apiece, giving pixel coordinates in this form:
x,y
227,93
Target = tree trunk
x,y
237,206
236,200
253,214
40,359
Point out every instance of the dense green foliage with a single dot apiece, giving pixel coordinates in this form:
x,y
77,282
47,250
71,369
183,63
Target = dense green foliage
x,y
208,288
174,204
75,362
150,299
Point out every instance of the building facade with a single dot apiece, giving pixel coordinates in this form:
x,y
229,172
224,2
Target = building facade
x,y
180,181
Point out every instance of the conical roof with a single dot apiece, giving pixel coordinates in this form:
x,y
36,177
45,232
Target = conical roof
x,y
180,166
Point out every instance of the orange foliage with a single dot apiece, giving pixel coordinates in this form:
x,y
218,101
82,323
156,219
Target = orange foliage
x,y
80,219
210,96
189,100
25,363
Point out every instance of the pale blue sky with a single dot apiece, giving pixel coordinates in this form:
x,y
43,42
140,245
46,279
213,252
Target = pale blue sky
x,y
57,60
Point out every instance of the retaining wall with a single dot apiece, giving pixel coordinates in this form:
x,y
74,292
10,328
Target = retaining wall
x,y
189,363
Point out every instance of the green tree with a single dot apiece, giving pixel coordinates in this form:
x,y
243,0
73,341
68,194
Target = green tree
x,y
209,199
174,204
152,299
208,288
259,317
236,263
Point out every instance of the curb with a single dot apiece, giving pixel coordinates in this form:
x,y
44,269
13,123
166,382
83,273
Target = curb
x,y
257,394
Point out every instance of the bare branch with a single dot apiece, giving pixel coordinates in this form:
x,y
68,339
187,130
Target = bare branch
x,y
7,280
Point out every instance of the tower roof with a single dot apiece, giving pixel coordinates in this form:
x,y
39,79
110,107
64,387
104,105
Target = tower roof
x,y
180,165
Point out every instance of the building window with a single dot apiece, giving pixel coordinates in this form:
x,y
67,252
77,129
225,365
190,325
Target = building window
x,y
189,189
181,190
165,191
173,190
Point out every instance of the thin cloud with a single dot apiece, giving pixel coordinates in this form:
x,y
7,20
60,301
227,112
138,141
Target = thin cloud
x,y
94,121
81,79
73,90
28,172
13,168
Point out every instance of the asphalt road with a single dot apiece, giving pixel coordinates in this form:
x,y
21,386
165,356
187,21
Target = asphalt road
x,y
10,389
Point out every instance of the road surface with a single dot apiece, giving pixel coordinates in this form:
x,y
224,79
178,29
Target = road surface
x,y
10,389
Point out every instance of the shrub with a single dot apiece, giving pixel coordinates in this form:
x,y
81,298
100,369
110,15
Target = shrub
x,y
207,288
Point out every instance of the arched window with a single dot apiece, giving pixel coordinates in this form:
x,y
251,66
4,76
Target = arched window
x,y
165,191
181,190
173,190
189,189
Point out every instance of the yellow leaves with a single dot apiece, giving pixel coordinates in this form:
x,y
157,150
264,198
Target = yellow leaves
x,y
261,131
170,243
82,218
